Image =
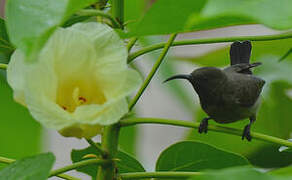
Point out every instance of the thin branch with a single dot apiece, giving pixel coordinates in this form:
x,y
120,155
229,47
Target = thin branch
x,y
169,174
78,165
117,11
5,160
228,130
109,142
152,72
94,12
150,48
285,55
97,148
67,177
3,66
131,43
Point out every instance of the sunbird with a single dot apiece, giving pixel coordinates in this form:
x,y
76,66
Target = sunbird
x,y
230,94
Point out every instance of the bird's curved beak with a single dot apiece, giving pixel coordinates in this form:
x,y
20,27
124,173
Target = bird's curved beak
x,y
179,76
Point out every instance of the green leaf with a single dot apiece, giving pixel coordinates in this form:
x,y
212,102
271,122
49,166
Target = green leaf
x,y
30,22
286,171
196,156
275,112
128,139
30,168
6,47
170,16
167,16
128,164
274,14
3,33
133,12
125,164
285,148
20,135
238,173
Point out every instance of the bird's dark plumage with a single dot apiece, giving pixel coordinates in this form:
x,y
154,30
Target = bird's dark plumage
x,y
240,52
230,94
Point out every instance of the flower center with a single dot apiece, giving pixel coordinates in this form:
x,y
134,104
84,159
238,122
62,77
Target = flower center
x,y
72,94
78,99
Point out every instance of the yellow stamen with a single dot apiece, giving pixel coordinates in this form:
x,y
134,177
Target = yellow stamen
x,y
79,100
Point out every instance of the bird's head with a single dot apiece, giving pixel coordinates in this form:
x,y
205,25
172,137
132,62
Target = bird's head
x,y
203,79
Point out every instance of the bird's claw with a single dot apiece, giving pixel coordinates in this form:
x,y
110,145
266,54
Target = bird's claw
x,y
246,133
203,126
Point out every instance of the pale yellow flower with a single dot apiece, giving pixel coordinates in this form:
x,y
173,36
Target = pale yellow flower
x,y
78,83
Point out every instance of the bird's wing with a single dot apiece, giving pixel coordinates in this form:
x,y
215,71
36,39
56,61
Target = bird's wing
x,y
240,52
243,68
243,90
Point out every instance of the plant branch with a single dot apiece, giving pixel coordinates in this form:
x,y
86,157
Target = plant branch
x,y
152,72
97,148
3,66
78,165
150,48
228,130
5,160
142,175
109,143
118,11
131,43
94,12
285,55
67,177
110,136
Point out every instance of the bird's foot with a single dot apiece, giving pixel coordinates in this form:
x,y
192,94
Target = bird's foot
x,y
246,133
203,126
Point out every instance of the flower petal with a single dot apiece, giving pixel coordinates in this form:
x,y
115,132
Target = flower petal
x,y
71,52
15,76
81,130
105,114
109,47
120,84
80,81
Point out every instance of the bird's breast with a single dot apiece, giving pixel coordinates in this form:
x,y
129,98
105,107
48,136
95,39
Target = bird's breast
x,y
231,102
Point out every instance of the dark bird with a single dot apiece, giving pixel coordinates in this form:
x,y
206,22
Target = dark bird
x,y
230,94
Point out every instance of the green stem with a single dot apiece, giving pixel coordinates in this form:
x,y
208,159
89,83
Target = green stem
x,y
78,165
227,130
286,55
94,12
140,52
110,145
131,43
152,72
67,177
143,175
101,4
6,160
110,136
3,66
118,11
97,148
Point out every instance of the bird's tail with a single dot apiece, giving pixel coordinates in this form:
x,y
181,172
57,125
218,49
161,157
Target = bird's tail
x,y
179,76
